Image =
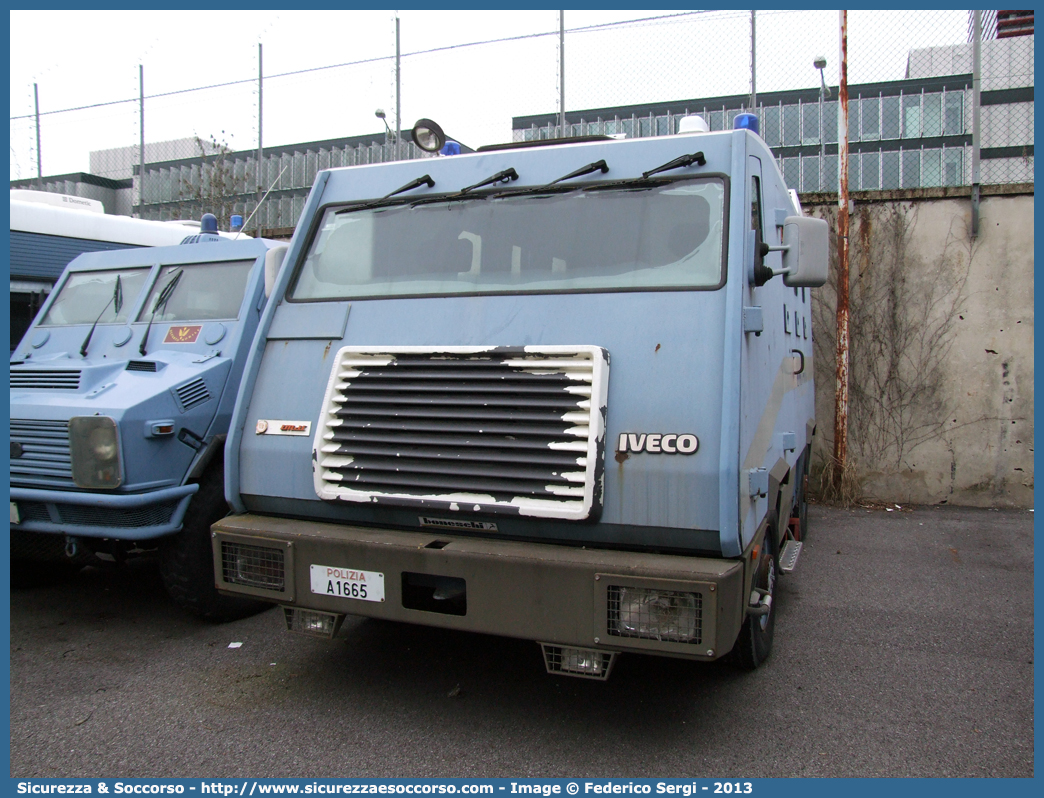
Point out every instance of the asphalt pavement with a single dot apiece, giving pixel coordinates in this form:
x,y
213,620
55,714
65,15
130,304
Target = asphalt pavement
x,y
903,647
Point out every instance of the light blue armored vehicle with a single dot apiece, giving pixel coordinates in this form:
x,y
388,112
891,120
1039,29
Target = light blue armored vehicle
x,y
121,394
557,390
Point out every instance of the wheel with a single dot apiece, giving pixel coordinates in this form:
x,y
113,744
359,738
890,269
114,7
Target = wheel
x,y
754,643
187,562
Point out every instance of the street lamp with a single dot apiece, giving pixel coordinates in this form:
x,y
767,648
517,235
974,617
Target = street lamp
x,y
379,113
820,64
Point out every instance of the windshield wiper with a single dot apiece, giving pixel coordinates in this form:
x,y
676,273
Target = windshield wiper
x,y
423,180
597,166
161,302
504,176
117,300
677,163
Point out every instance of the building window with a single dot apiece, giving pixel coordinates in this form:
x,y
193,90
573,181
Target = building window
x,y
912,116
853,172
870,110
912,168
953,112
853,120
662,126
932,109
830,110
792,173
953,167
717,120
791,125
931,168
871,166
889,170
770,125
830,173
890,127
810,173
810,123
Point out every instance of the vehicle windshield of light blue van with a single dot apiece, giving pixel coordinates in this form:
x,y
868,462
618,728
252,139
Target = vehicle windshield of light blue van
x,y
85,295
669,236
206,291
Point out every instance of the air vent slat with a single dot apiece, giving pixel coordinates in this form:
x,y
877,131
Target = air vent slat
x,y
520,430
192,393
501,442
141,365
545,457
45,379
477,470
476,427
512,413
359,398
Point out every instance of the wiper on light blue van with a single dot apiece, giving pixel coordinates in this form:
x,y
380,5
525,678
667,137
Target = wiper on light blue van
x,y
161,302
504,176
116,300
423,180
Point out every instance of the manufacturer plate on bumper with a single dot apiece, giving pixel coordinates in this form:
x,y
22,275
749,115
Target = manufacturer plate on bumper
x,y
348,583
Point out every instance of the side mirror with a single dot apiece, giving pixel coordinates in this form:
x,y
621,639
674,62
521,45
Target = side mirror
x,y
273,260
805,251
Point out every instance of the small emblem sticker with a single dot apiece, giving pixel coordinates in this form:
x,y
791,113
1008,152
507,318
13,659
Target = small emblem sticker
x,y
268,426
186,334
658,443
456,523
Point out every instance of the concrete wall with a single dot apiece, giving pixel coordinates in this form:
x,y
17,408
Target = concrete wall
x,y
941,352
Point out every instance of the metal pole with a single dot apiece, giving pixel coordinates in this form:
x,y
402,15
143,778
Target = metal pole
x,y
260,149
841,384
561,75
753,62
141,150
976,142
398,95
822,138
39,167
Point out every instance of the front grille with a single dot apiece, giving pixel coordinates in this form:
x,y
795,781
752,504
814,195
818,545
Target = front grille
x,y
516,430
128,518
45,379
42,449
253,566
665,615
192,393
141,365
33,511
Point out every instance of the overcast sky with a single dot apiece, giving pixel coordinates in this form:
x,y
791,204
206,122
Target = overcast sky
x,y
92,57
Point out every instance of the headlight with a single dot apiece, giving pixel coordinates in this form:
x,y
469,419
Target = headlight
x,y
655,614
95,452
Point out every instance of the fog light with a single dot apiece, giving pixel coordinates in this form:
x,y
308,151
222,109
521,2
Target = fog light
x,y
311,622
655,614
568,661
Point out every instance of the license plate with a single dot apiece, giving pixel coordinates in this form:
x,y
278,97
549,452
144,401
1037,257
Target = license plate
x,y
16,517
348,583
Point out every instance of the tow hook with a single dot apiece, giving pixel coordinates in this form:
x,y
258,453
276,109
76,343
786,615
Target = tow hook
x,y
72,547
760,602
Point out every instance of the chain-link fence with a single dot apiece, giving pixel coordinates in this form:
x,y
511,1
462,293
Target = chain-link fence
x,y
913,89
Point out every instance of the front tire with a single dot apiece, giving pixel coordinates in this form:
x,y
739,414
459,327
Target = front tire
x,y
187,562
754,644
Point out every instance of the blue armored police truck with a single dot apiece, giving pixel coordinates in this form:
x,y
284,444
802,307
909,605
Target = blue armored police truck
x,y
121,394
557,390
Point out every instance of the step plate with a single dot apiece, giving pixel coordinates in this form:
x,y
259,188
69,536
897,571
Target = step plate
x,y
789,556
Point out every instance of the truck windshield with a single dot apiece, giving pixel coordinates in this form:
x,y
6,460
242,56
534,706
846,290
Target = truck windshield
x,y
615,238
205,291
86,294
